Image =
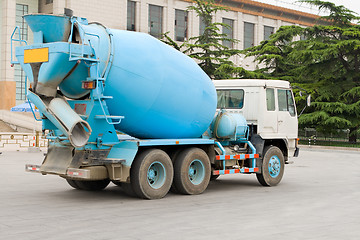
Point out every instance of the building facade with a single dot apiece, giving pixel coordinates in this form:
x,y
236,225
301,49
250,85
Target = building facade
x,y
251,22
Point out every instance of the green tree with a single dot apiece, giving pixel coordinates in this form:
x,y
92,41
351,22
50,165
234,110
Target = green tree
x,y
326,62
208,48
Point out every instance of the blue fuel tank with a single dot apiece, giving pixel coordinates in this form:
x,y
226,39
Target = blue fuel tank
x,y
161,92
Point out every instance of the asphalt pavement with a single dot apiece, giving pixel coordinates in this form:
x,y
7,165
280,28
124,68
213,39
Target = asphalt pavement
x,y
318,198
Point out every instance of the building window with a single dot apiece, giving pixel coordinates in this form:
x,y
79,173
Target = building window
x,y
131,9
49,1
229,33
19,74
22,10
181,24
267,32
202,25
155,20
249,38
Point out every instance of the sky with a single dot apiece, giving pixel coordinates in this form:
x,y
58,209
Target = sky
x,y
353,5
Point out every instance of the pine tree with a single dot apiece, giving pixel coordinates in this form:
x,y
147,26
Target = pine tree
x,y
326,62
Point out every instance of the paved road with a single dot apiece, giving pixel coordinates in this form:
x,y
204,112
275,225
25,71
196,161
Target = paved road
x,y
318,198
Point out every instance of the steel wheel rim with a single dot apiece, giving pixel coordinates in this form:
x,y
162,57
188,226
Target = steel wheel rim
x,y
156,175
196,172
274,166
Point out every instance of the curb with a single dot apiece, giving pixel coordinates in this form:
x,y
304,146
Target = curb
x,y
329,148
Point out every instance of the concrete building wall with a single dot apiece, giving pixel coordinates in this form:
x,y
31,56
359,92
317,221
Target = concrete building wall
x,y
45,8
32,6
110,13
1,7
7,25
7,84
113,14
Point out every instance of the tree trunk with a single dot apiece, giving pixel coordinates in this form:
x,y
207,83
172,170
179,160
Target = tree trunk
x,y
352,135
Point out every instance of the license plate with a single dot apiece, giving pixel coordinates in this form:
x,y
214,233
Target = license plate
x,y
37,55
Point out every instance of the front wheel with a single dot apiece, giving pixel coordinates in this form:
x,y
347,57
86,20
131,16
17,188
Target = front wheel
x,y
272,168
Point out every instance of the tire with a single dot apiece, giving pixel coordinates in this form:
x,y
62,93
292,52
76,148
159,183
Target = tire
x,y
173,157
192,171
128,190
272,168
151,174
72,183
126,187
92,185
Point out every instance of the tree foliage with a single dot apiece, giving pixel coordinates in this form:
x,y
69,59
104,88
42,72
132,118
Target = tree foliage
x,y
326,62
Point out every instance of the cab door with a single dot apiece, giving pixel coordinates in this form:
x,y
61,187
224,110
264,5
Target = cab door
x,y
269,119
287,117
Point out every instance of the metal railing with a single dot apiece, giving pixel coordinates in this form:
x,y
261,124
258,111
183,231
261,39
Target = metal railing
x,y
18,141
340,137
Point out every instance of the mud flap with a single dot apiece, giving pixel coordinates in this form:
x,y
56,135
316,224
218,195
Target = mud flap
x,y
57,160
296,153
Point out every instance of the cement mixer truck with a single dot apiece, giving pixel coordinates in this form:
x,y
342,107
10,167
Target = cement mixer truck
x,y
123,107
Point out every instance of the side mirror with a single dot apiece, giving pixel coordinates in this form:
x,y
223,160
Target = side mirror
x,y
308,100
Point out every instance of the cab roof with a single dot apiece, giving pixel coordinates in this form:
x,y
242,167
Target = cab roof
x,y
251,83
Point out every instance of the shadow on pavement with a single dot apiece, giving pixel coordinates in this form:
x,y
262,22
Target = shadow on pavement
x,y
113,192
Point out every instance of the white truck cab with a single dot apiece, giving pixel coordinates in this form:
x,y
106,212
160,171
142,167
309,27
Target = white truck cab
x,y
269,109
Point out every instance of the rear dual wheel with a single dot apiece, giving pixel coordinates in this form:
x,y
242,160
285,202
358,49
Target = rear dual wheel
x,y
151,174
96,185
192,170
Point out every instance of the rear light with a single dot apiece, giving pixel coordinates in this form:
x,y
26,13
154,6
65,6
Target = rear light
x,y
297,141
78,173
32,168
88,85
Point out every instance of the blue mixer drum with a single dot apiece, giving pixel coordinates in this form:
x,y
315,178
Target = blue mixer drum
x,y
161,92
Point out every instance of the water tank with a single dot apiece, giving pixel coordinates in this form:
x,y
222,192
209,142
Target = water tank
x,y
229,126
161,92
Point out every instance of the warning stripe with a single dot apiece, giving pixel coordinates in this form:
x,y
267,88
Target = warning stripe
x,y
232,171
239,156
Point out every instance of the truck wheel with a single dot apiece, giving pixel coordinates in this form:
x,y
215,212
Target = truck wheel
x,y
151,174
192,171
72,183
272,169
173,157
92,185
128,190
126,187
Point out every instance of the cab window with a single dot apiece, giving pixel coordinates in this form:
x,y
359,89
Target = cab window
x,y
270,99
230,98
286,101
